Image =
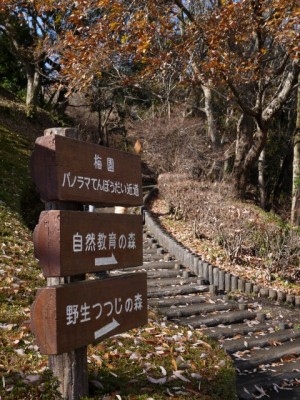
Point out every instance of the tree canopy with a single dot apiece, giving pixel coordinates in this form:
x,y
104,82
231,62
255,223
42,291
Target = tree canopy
x,y
234,62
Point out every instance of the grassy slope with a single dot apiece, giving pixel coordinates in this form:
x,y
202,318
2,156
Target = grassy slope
x,y
124,365
20,363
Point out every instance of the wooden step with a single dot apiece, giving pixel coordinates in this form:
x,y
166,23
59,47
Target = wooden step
x,y
262,340
150,250
268,355
159,265
159,274
154,257
217,319
193,309
230,331
177,301
164,282
151,274
175,291
267,378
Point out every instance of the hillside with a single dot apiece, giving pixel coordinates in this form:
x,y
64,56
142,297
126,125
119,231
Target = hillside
x,y
239,237
20,363
23,371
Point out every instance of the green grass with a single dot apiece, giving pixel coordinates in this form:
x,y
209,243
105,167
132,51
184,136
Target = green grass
x,y
20,276
159,361
14,161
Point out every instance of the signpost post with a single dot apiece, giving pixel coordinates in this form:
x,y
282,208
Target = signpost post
x,y
72,312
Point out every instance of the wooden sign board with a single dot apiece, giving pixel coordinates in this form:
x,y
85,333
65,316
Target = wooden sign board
x,y
67,317
66,169
75,242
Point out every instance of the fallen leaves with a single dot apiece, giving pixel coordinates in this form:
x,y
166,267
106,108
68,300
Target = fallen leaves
x,y
159,381
174,361
21,365
178,374
250,267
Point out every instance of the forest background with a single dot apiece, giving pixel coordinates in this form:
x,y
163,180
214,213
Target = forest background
x,y
209,89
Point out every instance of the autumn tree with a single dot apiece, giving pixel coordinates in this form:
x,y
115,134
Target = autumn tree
x,y
255,52
28,30
295,212
237,44
138,46
246,50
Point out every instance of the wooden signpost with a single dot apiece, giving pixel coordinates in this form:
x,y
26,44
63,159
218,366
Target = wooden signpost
x,y
73,242
65,318
71,170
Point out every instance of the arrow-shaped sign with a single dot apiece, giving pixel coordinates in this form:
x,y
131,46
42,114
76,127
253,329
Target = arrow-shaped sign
x,y
107,328
105,261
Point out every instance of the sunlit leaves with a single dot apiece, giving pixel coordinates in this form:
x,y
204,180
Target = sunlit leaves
x,y
246,38
234,38
132,40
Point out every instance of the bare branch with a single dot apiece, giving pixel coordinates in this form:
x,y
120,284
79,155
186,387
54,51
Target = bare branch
x,y
185,10
247,110
280,98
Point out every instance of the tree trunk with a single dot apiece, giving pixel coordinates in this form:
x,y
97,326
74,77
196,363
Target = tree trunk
x,y
261,179
103,118
295,211
212,132
282,177
245,129
212,128
249,148
33,90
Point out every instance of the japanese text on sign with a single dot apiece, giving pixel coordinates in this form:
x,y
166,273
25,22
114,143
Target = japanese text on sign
x,y
110,163
96,184
100,241
102,185
82,312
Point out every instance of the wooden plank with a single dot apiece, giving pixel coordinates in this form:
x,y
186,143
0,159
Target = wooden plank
x,y
198,309
152,266
158,274
230,331
153,257
268,355
69,243
151,252
67,317
152,273
176,301
71,170
267,378
166,282
159,265
261,340
157,292
217,319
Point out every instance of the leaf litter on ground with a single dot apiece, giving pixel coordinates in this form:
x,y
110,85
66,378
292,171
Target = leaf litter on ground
x,y
162,360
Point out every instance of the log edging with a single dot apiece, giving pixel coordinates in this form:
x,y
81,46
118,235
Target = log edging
x,y
220,279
